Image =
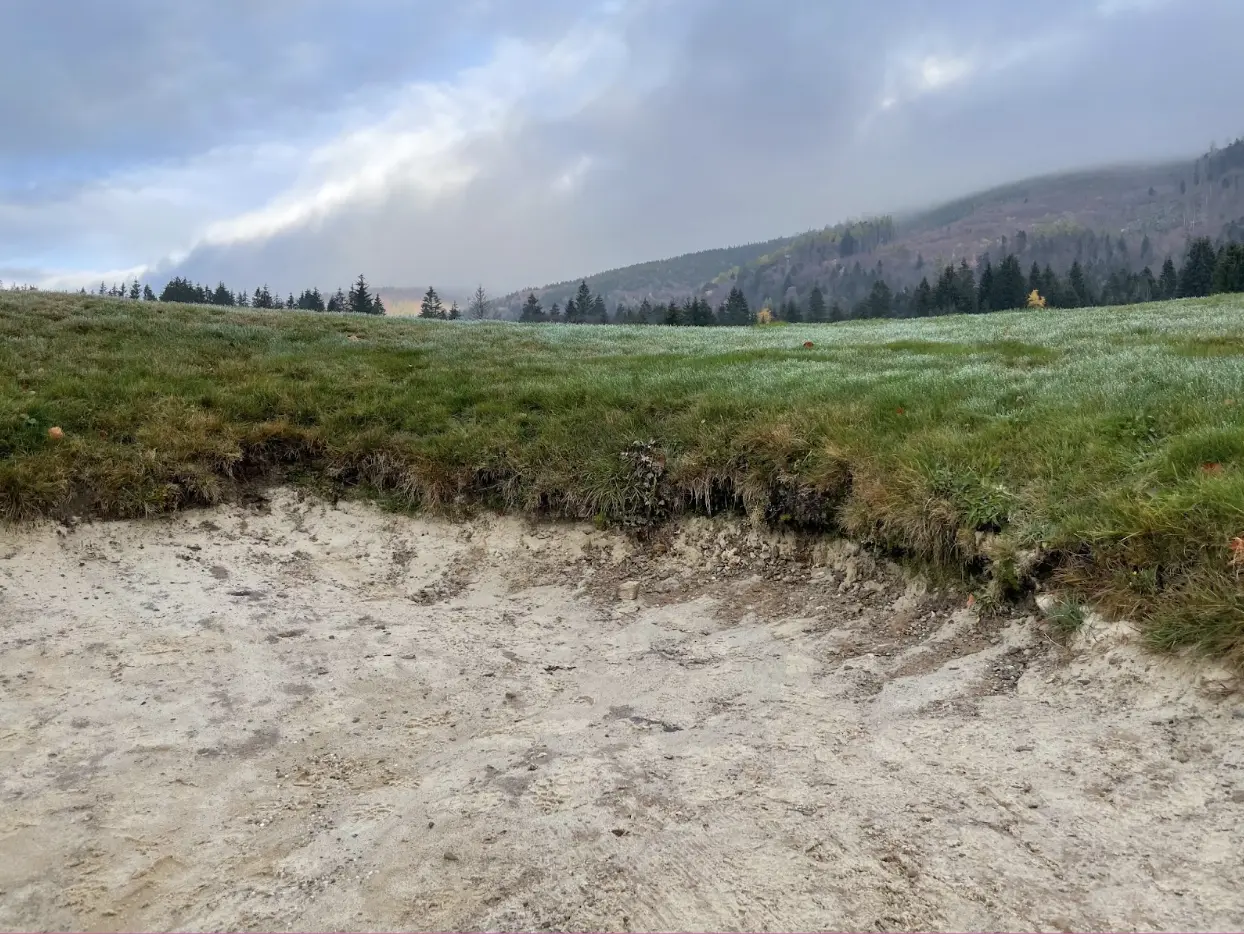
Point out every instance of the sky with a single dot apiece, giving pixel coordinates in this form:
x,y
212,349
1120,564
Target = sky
x,y
513,143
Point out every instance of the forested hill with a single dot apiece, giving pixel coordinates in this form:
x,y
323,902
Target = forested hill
x,y
1111,220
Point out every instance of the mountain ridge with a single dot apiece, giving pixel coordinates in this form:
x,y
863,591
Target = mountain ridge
x,y
1120,215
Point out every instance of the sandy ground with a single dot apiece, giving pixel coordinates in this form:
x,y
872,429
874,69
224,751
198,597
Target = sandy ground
x,y
301,716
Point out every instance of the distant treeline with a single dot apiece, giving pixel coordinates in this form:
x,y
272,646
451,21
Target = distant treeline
x,y
358,300
957,290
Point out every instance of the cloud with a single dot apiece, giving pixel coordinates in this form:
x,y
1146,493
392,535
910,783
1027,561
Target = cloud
x,y
303,141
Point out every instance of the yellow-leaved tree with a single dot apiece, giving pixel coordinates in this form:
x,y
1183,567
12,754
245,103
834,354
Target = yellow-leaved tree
x,y
1036,300
764,316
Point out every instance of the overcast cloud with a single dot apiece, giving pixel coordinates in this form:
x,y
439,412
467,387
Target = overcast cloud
x,y
299,142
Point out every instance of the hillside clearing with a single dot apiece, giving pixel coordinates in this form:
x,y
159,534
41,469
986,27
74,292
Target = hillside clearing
x,y
1103,448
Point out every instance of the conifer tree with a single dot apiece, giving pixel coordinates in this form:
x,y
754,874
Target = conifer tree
x,y
923,302
1010,289
359,301
966,288
453,314
816,305
985,292
478,306
431,306
222,296
1229,269
532,309
582,304
1077,287
737,310
1196,279
1168,281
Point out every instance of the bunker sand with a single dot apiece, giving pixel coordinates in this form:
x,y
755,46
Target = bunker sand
x,y
304,716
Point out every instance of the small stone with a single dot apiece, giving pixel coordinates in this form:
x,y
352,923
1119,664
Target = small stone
x,y
628,590
1237,797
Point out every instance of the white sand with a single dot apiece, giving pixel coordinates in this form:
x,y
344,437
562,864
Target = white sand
x,y
333,718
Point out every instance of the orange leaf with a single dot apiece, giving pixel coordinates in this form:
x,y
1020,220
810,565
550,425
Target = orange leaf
x,y
1212,469
55,433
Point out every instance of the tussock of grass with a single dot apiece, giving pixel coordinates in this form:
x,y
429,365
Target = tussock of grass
x,y
1110,441
1066,618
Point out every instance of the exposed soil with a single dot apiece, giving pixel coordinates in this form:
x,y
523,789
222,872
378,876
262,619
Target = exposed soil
x,y
301,716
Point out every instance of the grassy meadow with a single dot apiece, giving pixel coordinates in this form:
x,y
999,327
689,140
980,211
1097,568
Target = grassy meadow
x,y
1103,448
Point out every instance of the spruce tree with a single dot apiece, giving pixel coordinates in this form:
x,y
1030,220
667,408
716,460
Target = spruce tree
x,y
1035,283
923,303
135,291
478,306
453,314
582,302
1196,279
1229,269
148,295
985,292
222,296
1078,287
600,315
1148,286
879,300
792,313
1168,282
966,288
737,311
1010,290
816,305
532,310
359,301
431,306
572,311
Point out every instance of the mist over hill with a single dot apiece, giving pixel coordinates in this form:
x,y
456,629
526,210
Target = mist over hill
x,y
1108,219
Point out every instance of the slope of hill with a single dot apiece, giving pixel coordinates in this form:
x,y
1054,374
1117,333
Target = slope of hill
x,y
1122,217
1101,447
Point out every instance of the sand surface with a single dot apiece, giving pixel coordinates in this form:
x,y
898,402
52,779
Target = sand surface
x,y
295,715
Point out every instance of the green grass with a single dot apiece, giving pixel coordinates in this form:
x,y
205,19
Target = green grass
x,y
969,442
